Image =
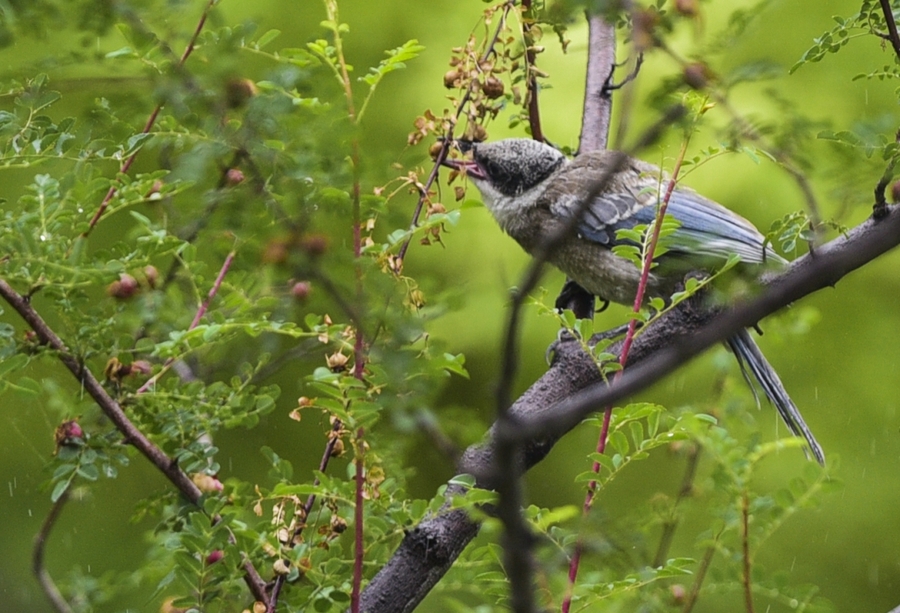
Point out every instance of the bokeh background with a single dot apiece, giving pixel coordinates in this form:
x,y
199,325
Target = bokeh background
x,y
837,351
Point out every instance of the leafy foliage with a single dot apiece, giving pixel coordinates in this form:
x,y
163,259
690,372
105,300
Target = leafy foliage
x,y
254,254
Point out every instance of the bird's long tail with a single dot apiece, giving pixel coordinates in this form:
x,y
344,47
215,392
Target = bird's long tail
x,y
750,357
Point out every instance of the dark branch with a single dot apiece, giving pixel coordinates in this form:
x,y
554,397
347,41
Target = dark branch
x,y
534,109
893,36
697,331
133,436
567,393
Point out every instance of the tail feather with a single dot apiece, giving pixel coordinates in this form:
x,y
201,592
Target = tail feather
x,y
749,356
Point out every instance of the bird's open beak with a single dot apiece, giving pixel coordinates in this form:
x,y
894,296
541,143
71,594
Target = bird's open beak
x,y
467,167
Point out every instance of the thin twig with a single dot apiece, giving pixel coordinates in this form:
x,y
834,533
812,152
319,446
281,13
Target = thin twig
x,y
778,153
132,435
534,111
37,559
327,454
358,543
359,345
201,311
687,487
92,386
746,580
448,137
151,120
699,577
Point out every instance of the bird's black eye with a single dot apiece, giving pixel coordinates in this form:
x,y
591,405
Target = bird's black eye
x,y
494,170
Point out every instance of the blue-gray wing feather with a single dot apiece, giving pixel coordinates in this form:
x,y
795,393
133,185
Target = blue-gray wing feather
x,y
706,229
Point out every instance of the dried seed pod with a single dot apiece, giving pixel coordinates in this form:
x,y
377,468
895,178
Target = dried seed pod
x,y
451,79
492,87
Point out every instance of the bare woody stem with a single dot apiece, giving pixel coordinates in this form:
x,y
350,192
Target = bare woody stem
x,y
92,386
534,109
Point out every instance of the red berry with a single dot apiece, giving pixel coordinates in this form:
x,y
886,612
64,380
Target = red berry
x,y
123,289
300,290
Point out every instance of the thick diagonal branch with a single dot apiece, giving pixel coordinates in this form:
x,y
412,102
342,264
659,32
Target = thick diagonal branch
x,y
572,389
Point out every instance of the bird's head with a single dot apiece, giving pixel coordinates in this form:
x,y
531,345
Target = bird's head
x,y
507,169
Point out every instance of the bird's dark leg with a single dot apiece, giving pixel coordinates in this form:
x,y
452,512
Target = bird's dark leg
x,y
582,303
579,300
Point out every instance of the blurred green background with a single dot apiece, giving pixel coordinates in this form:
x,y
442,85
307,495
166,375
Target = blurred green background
x,y
844,373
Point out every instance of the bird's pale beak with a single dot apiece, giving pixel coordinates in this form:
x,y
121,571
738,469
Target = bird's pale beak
x,y
467,167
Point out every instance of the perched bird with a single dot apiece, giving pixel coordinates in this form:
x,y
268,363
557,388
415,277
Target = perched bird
x,y
532,190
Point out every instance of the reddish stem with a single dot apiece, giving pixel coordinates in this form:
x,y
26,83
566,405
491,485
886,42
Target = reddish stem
x,y
623,358
201,311
358,521
212,291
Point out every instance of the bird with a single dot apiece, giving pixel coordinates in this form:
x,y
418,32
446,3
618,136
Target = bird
x,y
533,190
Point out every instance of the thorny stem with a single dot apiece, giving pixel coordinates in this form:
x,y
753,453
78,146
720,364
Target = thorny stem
x,y
623,357
448,138
201,311
151,120
37,559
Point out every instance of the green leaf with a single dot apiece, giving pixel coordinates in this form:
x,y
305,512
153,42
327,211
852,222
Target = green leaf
x,y
267,38
58,490
13,363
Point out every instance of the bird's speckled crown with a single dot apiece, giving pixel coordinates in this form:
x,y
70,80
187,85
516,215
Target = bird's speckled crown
x,y
515,165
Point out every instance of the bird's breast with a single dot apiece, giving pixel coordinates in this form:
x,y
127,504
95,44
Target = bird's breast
x,y
601,272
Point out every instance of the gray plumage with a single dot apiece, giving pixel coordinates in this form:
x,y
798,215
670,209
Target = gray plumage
x,y
533,189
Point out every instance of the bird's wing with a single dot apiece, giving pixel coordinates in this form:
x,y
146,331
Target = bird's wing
x,y
706,229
